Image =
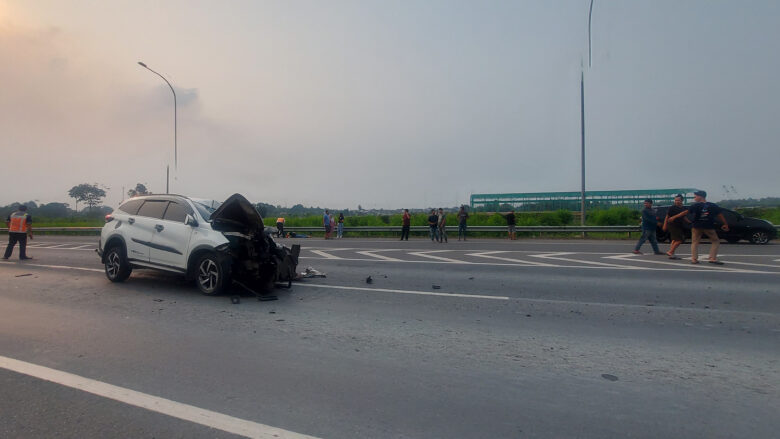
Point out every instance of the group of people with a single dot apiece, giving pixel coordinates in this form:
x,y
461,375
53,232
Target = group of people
x,y
703,215
330,223
437,223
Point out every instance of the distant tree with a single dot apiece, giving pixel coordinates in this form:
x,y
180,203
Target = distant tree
x,y
53,210
140,189
87,193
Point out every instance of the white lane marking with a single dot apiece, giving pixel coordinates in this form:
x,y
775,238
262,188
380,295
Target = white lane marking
x,y
372,254
541,265
85,245
152,403
427,254
702,265
64,248
58,245
325,255
491,254
557,257
63,266
421,293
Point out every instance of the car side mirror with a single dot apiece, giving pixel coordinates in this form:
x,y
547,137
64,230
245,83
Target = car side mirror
x,y
190,221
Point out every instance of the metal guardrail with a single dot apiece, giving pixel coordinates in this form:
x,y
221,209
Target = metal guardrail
x,y
454,229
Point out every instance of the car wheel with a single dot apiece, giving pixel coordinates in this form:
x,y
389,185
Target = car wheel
x,y
759,237
117,267
210,275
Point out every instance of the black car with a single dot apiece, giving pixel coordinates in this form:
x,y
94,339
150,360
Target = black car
x,y
755,230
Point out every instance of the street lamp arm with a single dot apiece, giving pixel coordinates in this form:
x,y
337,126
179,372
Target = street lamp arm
x,y
175,115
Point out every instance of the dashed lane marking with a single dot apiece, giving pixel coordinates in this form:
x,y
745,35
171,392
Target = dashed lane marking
x,y
325,255
426,254
491,255
372,254
152,403
702,265
558,257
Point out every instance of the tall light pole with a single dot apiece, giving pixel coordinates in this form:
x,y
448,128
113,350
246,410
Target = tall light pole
x,y
582,118
175,140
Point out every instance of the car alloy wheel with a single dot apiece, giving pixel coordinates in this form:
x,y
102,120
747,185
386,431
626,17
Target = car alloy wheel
x,y
113,264
759,237
209,275
117,268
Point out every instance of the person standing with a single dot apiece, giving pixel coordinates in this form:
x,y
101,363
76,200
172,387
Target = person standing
x,y
326,224
433,223
442,223
649,224
673,224
332,223
511,222
463,217
704,214
280,227
340,233
19,224
406,223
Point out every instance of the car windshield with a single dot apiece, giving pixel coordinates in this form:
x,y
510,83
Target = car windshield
x,y
205,207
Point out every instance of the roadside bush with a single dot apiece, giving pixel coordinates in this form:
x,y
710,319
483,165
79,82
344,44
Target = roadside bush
x,y
614,216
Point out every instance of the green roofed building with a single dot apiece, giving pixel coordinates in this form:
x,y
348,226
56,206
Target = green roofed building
x,y
545,201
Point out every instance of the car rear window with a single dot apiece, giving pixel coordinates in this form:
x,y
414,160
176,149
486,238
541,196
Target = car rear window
x,y
175,212
153,208
131,206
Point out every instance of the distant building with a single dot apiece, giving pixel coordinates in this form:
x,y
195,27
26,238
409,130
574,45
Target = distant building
x,y
546,201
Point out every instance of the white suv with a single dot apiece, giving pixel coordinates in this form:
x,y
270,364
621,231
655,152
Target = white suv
x,y
213,243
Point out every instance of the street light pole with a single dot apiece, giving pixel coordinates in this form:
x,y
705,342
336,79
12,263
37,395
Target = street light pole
x,y
175,130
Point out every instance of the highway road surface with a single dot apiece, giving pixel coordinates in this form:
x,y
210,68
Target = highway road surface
x,y
476,339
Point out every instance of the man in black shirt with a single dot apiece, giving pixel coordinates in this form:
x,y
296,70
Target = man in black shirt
x,y
675,227
433,223
510,224
704,214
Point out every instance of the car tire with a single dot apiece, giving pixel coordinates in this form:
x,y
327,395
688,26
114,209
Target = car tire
x,y
210,274
117,267
758,237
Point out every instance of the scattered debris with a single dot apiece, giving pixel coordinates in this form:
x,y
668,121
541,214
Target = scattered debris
x,y
471,278
609,377
23,275
436,287
310,272
385,276
369,280
279,320
528,315
158,300
267,298
235,300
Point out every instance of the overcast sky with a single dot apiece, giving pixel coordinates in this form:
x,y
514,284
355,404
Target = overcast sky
x,y
387,104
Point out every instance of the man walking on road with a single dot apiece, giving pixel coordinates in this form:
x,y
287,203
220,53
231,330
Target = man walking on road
x,y
649,224
704,214
673,224
463,216
433,223
19,225
406,223
442,223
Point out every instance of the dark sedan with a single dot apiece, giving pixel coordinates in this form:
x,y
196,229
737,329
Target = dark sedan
x,y
755,230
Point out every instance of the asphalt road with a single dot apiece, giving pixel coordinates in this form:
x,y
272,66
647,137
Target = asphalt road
x,y
482,339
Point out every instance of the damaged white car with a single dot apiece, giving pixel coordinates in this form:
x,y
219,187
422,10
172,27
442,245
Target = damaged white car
x,y
215,244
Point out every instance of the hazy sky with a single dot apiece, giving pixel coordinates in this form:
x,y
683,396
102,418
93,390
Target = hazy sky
x,y
387,103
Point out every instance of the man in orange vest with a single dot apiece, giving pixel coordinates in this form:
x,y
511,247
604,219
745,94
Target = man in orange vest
x,y
19,225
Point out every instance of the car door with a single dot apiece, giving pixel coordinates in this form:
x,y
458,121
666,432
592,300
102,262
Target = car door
x,y
171,237
141,229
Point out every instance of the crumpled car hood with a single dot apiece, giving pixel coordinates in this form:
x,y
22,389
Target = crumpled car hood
x,y
237,211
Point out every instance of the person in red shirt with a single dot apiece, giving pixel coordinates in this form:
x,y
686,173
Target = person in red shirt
x,y
405,225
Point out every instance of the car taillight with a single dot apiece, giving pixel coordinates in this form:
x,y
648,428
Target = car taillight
x,y
109,218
